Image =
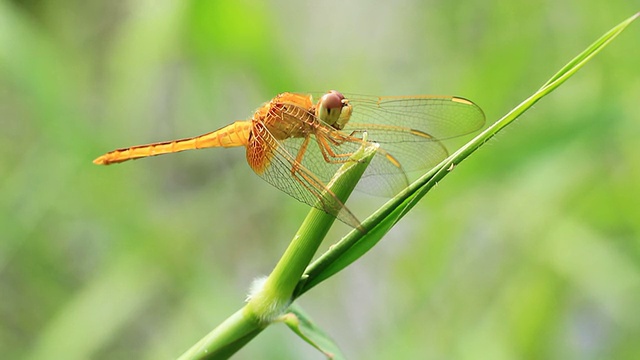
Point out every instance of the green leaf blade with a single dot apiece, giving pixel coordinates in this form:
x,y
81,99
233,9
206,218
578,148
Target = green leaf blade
x,y
301,324
353,246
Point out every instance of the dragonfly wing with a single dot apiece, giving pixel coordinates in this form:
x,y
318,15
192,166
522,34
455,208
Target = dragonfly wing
x,y
440,117
385,175
275,161
409,129
413,149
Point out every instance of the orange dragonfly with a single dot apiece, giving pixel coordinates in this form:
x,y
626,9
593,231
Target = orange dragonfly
x,y
297,145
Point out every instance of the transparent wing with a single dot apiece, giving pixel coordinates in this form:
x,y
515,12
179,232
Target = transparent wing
x,y
407,128
327,149
410,118
276,163
410,128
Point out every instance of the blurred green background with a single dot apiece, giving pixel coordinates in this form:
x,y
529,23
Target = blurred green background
x,y
530,249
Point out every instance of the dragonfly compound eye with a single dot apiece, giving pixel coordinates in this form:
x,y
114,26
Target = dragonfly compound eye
x,y
332,100
336,93
330,107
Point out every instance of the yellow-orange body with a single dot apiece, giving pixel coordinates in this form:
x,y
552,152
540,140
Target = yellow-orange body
x,y
235,134
297,145
287,115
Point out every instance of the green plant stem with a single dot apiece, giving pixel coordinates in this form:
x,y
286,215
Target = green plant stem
x,y
276,293
227,338
267,303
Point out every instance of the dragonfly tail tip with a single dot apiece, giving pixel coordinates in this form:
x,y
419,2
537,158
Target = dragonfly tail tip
x,y
100,161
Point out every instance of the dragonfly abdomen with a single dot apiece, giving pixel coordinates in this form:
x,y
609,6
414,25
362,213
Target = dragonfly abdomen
x,y
236,134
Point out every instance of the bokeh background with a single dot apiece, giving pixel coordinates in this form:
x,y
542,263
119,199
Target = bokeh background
x,y
530,249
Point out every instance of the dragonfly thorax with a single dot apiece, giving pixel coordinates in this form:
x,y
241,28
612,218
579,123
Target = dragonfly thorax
x,y
287,116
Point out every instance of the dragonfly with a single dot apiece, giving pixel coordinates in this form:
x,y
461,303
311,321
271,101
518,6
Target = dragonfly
x,y
297,144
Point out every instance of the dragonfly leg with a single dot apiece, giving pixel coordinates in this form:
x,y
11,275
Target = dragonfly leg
x,y
327,200
328,154
300,155
355,132
392,159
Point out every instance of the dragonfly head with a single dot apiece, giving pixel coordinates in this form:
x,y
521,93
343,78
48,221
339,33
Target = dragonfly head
x,y
334,109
